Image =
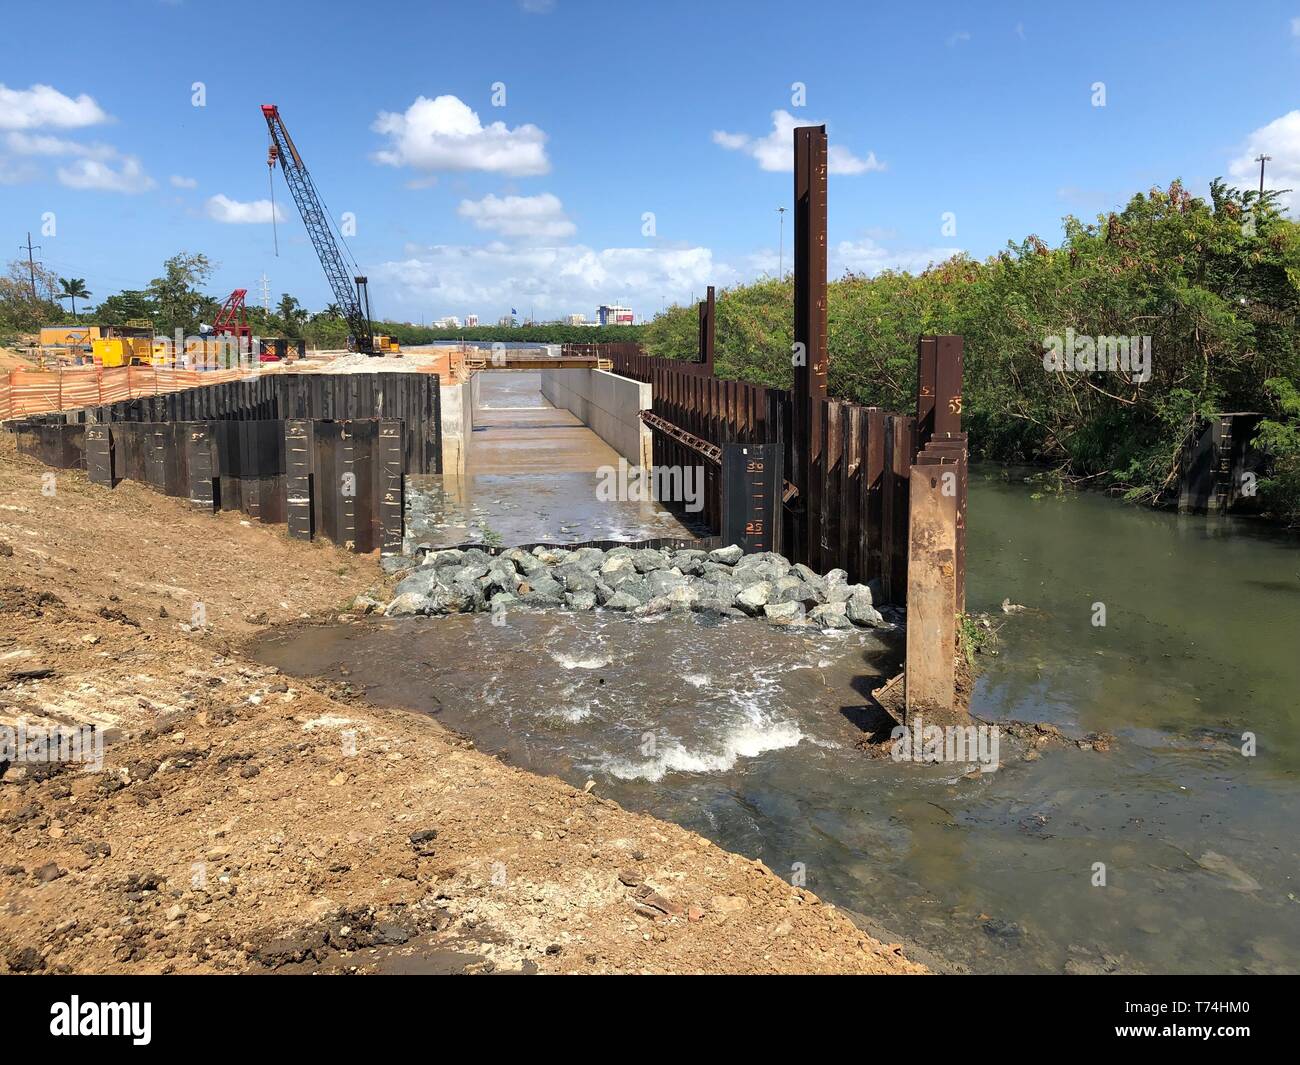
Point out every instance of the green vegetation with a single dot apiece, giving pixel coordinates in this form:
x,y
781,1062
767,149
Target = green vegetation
x,y
523,334
1215,284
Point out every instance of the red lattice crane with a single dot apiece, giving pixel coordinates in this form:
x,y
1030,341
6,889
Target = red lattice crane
x,y
232,319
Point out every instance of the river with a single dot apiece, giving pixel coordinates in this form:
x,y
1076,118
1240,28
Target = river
x,y
1171,852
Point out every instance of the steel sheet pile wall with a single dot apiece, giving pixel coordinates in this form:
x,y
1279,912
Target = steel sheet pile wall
x,y
339,446
855,513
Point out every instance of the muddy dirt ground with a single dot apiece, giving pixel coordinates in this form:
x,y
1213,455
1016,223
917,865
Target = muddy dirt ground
x,y
246,822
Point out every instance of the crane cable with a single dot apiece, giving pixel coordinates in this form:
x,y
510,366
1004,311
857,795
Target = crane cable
x,y
270,180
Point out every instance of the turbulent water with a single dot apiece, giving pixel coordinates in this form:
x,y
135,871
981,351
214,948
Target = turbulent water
x,y
747,734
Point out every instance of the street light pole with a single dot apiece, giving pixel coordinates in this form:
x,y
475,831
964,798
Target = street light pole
x,y
1261,160
780,257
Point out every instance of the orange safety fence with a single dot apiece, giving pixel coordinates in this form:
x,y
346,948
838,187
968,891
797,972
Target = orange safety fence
x,y
24,392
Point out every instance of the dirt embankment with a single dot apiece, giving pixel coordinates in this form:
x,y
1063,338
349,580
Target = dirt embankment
x,y
245,820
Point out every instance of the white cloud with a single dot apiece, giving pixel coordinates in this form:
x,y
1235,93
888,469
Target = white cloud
x,y
221,208
776,151
490,279
180,182
87,173
1280,139
446,134
43,105
865,256
960,37
531,217
44,144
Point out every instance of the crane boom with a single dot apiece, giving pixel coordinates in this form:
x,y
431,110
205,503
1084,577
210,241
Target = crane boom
x,y
349,291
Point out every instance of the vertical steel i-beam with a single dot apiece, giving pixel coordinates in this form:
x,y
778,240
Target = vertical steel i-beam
x,y
708,327
809,335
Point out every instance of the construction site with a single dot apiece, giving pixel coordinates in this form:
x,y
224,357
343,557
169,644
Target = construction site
x,y
337,643
231,824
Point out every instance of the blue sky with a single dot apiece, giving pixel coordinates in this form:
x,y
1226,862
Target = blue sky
x,y
982,112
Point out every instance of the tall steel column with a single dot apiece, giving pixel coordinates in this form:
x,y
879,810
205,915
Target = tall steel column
x,y
810,332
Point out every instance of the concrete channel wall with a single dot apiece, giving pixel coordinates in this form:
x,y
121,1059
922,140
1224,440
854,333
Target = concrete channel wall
x,y
608,405
459,400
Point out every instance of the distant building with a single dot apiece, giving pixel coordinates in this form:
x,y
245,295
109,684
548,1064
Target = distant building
x,y
614,315
577,319
471,321
448,322
507,320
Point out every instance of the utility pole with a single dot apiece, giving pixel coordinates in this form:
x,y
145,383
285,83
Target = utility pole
x,y
266,294
780,269
1260,159
31,266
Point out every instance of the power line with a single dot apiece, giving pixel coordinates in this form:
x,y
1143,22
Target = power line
x,y
1260,159
31,265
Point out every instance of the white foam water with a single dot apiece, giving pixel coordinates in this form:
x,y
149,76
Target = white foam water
x,y
575,662
746,740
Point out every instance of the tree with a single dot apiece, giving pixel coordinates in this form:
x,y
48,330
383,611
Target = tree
x,y
177,300
130,305
292,315
19,313
73,288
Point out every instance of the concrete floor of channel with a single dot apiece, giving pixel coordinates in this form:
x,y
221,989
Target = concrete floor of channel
x,y
532,472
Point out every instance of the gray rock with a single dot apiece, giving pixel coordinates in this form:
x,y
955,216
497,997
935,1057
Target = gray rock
x,y
658,605
450,557
648,560
552,556
663,581
617,564
581,600
632,584
537,598
420,582
574,577
727,556
690,563
524,562
502,575
622,601
790,589
502,601
804,573
836,576
860,611
406,604
472,571
589,558
711,605
830,616
396,563
719,587
839,593
754,568
468,597
784,613
682,598
754,598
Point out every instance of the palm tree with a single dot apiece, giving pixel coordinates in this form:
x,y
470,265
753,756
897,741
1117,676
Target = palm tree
x,y
74,288
333,310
